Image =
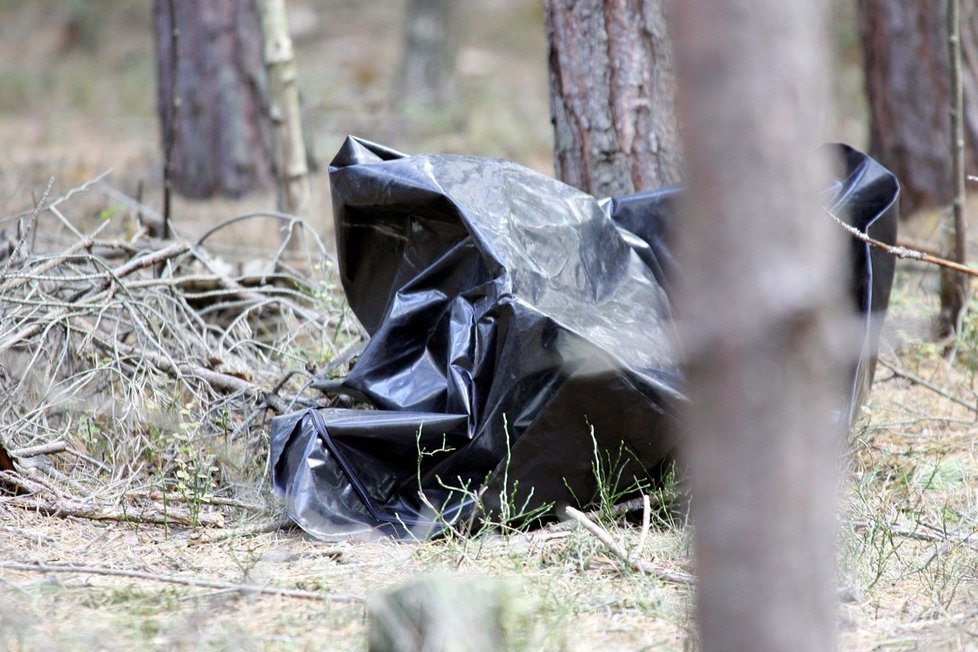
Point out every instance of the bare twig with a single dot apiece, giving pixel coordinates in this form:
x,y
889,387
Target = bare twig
x,y
88,458
40,449
244,531
18,280
285,217
105,513
917,380
215,379
203,500
85,187
923,248
903,252
39,567
638,565
14,479
916,533
950,619
147,261
25,233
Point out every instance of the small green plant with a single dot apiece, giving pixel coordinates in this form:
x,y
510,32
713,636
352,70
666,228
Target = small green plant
x,y
511,511
514,515
619,475
194,478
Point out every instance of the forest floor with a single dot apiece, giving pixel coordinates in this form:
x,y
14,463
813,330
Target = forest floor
x,y
907,553
908,548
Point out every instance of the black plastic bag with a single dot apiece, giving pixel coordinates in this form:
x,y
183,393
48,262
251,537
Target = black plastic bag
x,y
520,334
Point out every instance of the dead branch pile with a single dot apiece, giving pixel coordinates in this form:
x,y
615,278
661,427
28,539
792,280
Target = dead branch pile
x,y
150,364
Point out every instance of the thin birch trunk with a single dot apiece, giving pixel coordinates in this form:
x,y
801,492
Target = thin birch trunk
x,y
290,149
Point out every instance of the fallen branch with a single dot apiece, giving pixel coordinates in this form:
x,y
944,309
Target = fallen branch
x,y
914,533
38,567
950,619
244,531
11,478
902,373
105,513
215,379
52,262
151,259
40,449
158,496
94,342
638,565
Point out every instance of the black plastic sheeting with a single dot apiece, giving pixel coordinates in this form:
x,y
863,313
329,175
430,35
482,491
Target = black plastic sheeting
x,y
520,330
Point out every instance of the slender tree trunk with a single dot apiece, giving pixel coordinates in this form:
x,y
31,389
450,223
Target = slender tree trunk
x,y
290,148
760,292
221,142
954,287
428,79
611,95
908,87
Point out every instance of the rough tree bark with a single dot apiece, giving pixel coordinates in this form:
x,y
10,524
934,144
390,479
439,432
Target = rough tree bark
x,y
905,51
222,136
760,292
611,95
428,78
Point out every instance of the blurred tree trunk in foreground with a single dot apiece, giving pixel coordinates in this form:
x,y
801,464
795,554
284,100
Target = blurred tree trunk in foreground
x,y
221,138
907,83
612,91
760,292
428,79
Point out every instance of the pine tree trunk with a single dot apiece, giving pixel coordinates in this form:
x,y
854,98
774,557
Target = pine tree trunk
x,y
907,83
612,92
221,138
760,293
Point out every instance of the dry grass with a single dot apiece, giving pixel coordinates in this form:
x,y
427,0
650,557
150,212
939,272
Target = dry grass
x,y
151,364
910,535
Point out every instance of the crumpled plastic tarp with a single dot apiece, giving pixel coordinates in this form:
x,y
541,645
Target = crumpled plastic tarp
x,y
520,330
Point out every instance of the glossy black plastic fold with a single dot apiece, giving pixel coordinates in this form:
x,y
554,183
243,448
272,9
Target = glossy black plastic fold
x,y
519,328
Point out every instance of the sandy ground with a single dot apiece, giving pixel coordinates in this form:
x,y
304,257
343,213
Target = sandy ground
x,y
907,560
